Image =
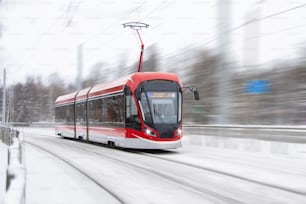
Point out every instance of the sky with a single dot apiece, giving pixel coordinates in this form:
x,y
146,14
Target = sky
x,y
40,37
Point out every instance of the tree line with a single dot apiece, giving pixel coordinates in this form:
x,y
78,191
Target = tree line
x,y
283,104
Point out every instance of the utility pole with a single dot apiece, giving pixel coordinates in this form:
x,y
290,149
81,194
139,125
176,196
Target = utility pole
x,y
80,67
251,56
223,72
251,38
4,98
250,61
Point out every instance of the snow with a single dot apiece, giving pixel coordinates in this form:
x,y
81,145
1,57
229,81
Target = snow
x,y
272,163
53,181
3,166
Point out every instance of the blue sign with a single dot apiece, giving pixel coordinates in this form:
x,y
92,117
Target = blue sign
x,y
258,86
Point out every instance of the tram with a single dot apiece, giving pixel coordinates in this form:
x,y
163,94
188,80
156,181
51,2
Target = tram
x,y
141,111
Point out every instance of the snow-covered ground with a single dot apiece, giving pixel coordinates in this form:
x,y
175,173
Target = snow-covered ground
x,y
219,170
52,181
3,166
257,147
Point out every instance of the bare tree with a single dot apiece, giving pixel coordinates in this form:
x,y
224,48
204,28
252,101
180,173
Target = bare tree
x,y
97,74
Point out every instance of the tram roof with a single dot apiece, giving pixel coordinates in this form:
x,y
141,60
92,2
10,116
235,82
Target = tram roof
x,y
67,98
131,81
82,94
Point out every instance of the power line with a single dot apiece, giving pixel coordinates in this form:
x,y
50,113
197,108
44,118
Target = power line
x,y
282,12
73,10
276,32
42,36
93,36
256,20
163,5
265,18
243,25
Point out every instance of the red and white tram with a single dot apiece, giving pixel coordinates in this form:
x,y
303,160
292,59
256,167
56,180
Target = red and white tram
x,y
142,111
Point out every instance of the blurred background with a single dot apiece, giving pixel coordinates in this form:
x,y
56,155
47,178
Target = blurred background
x,y
247,58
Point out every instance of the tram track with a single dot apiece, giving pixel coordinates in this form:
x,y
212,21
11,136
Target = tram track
x,y
302,193
179,180
92,179
223,173
208,194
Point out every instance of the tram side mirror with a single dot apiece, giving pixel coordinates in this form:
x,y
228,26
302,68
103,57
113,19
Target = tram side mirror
x,y
196,95
195,91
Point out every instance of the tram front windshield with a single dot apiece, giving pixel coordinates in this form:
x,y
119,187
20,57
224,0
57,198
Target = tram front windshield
x,y
161,107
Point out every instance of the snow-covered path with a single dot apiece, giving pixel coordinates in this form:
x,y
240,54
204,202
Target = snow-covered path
x,y
213,172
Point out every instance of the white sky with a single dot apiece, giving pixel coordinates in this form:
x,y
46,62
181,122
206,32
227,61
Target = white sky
x,y
40,37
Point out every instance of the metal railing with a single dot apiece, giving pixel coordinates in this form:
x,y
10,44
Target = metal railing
x,y
262,132
15,170
272,133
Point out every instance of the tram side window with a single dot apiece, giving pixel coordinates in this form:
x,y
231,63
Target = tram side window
x,y
132,119
65,114
81,113
70,114
96,112
107,111
119,103
60,114
115,111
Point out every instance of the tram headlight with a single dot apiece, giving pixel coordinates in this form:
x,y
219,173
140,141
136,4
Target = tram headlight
x,y
179,132
149,131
